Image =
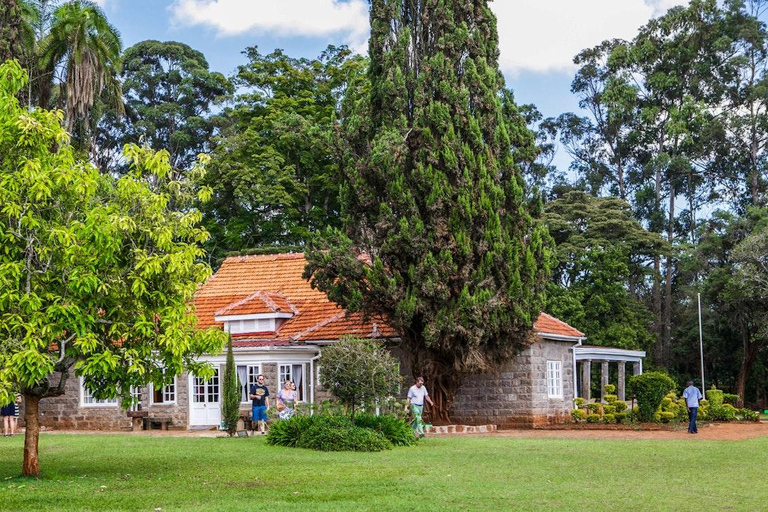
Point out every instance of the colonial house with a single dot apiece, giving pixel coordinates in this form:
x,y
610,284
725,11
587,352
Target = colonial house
x,y
279,325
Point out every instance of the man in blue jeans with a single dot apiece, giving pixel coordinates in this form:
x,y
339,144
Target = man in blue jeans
x,y
692,396
260,396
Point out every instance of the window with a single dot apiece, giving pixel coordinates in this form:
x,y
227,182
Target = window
x,y
554,379
247,374
206,391
294,372
87,400
163,396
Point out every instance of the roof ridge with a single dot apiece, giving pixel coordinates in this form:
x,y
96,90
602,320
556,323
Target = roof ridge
x,y
319,325
246,300
265,257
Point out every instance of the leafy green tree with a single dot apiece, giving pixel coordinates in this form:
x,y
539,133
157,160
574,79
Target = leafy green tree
x,y
168,93
275,172
438,236
85,49
603,267
359,372
96,274
230,407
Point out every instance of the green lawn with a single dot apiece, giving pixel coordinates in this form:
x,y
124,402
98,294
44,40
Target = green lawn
x,y
458,473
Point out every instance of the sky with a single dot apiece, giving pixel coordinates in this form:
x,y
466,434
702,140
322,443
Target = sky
x,y
538,38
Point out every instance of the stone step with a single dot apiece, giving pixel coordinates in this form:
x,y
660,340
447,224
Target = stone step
x,y
460,429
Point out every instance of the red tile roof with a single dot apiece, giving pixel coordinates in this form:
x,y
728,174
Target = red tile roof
x,y
271,283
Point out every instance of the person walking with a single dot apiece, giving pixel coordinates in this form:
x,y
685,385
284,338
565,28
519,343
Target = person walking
x,y
692,396
417,394
7,412
260,396
286,400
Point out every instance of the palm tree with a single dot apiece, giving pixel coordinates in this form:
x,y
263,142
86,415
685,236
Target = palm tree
x,y
86,48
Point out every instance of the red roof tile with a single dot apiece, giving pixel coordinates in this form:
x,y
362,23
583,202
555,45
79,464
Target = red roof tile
x,y
271,283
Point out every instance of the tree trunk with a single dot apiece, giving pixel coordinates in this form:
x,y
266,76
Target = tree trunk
x,y
31,466
750,355
666,328
442,387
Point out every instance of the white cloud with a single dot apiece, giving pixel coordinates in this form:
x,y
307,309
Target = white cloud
x,y
545,35
313,18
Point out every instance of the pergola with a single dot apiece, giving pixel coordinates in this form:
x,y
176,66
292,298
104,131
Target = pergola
x,y
586,355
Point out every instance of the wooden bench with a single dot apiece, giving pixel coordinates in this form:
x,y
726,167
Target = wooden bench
x,y
163,421
137,419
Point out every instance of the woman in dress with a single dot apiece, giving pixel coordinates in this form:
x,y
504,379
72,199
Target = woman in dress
x,y
8,412
286,400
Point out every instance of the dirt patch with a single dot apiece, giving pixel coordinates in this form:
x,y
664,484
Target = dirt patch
x,y
709,431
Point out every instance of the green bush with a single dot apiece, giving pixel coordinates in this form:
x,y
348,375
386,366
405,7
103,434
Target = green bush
x,y
730,398
748,415
593,418
578,415
715,396
650,389
609,409
666,416
609,418
593,407
609,389
724,412
338,434
396,430
611,398
620,405
620,417
578,402
288,432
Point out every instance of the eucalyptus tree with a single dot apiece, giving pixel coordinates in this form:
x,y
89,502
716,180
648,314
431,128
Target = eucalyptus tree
x,y
438,235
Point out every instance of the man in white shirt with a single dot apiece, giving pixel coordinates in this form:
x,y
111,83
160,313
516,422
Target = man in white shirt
x,y
416,396
692,396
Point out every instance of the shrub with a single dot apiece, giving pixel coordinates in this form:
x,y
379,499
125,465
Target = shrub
x,y
230,406
338,433
609,418
578,402
620,405
724,412
593,418
288,432
593,407
715,396
620,417
611,398
396,430
650,389
609,409
578,415
610,389
748,415
730,398
666,416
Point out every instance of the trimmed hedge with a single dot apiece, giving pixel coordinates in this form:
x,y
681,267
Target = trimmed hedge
x,y
338,432
650,388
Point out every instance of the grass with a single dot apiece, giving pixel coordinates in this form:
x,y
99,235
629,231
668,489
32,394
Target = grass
x,y
86,472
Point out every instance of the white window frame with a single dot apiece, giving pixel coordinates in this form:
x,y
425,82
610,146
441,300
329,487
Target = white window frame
x,y
554,379
304,372
166,393
251,372
86,395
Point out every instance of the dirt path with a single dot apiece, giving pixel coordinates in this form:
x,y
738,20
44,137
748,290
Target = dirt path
x,y
712,432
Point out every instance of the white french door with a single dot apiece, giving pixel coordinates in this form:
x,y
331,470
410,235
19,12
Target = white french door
x,y
205,400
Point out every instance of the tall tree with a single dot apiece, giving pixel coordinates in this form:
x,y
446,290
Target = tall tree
x,y
96,275
168,93
438,235
86,49
11,30
275,172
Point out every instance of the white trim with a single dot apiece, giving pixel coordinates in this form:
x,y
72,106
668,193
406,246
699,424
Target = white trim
x,y
256,316
554,378
560,337
151,389
608,354
108,402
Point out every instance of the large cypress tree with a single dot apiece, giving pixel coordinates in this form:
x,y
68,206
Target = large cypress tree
x,y
453,258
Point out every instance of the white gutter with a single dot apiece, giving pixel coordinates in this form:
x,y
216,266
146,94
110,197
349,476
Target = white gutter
x,y
312,387
575,377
